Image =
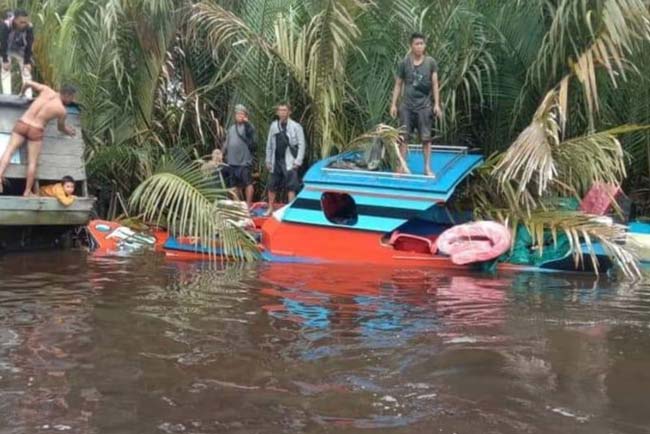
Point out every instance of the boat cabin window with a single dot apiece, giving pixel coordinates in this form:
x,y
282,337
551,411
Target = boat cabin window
x,y
339,208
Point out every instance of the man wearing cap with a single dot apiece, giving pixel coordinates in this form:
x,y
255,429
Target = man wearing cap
x,y
239,149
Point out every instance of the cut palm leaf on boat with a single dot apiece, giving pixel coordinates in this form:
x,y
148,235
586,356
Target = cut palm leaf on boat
x,y
182,198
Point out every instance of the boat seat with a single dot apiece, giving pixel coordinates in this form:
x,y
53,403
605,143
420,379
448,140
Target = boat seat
x,y
412,243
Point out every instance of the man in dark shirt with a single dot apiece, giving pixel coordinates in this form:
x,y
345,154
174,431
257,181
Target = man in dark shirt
x,y
417,79
16,41
240,149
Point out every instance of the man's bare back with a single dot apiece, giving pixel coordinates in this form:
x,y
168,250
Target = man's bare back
x,y
46,106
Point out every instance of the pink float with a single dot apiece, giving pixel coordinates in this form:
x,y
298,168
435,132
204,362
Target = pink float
x,y
474,242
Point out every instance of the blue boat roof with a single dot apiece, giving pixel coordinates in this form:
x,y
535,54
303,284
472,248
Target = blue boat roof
x,y
451,164
384,200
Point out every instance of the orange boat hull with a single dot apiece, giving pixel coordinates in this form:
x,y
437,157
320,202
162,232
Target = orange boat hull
x,y
324,244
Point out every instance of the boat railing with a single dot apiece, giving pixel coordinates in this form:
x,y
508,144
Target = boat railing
x,y
443,148
459,151
380,174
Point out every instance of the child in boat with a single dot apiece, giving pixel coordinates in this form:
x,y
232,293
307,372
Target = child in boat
x,y
217,167
63,191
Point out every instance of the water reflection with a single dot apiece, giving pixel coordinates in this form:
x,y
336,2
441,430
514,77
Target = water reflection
x,y
141,345
378,307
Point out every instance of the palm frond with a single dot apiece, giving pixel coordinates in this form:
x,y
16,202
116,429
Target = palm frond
x,y
582,232
592,35
529,160
593,158
314,54
224,27
317,56
188,203
539,159
463,47
389,139
624,24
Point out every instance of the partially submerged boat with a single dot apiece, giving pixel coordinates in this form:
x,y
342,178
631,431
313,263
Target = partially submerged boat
x,y
345,214
348,214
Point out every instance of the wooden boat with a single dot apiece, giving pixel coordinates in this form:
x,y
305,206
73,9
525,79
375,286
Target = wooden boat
x,y
41,221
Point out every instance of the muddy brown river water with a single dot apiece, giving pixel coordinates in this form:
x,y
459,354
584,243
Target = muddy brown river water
x,y
141,345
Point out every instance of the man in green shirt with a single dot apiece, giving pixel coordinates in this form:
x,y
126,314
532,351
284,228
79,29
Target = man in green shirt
x,y
417,80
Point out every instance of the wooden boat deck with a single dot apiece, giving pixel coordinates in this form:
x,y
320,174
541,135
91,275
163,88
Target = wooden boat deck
x,y
45,211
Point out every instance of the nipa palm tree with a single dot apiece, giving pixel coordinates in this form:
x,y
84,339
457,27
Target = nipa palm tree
x,y
161,75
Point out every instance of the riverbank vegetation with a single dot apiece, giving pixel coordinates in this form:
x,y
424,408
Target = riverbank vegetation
x,y
551,89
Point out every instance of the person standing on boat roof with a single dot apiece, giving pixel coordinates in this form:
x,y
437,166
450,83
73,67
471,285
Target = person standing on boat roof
x,y
16,41
31,127
285,152
417,79
239,149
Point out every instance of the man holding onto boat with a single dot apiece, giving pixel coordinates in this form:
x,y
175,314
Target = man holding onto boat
x,y
239,149
417,79
285,152
16,41
31,127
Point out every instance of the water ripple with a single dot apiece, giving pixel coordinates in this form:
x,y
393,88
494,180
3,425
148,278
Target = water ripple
x,y
92,344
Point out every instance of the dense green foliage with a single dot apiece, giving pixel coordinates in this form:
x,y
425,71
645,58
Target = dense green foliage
x,y
559,80
156,74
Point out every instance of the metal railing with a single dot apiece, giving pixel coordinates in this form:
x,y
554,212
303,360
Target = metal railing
x,y
460,152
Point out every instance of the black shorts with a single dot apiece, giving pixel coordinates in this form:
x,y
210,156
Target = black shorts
x,y
284,180
239,176
420,119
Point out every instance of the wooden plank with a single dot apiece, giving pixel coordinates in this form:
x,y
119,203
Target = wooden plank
x,y
60,160
63,147
57,162
61,155
47,172
16,210
58,146
52,129
43,218
51,166
13,107
8,121
42,203
14,101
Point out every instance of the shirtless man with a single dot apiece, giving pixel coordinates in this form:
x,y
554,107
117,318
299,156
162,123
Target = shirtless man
x,y
30,128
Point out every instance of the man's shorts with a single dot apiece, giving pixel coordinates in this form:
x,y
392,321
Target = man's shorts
x,y
284,180
28,132
239,176
420,120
